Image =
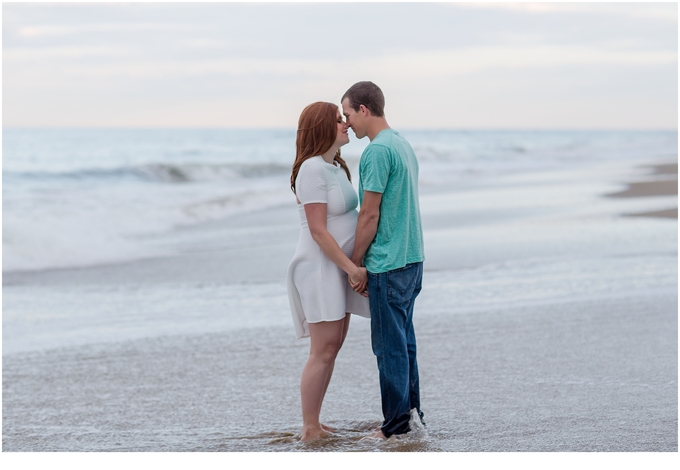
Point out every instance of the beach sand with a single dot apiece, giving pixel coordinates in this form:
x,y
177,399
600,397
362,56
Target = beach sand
x,y
545,324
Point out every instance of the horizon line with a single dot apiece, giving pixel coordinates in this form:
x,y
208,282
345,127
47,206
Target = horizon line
x,y
407,128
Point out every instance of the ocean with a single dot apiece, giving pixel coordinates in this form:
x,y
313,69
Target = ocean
x,y
145,306
87,197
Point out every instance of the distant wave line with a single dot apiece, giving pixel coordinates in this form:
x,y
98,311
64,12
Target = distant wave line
x,y
161,172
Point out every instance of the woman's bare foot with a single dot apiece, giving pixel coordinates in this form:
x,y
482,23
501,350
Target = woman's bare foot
x,y
311,433
328,428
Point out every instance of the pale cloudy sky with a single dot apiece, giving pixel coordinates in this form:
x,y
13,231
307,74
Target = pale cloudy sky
x,y
441,65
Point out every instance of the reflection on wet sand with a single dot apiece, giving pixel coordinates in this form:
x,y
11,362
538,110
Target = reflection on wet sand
x,y
349,437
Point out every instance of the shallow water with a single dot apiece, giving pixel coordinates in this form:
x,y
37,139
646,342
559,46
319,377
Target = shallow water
x,y
572,376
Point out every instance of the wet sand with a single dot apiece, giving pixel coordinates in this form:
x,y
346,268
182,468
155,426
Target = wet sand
x,y
657,187
649,188
582,376
667,214
665,169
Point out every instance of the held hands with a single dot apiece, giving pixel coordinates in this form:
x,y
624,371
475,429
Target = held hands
x,y
359,281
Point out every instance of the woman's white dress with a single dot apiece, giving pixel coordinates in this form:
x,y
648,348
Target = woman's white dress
x,y
317,288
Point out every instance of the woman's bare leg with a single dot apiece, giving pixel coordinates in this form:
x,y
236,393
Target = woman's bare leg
x,y
328,380
345,328
325,341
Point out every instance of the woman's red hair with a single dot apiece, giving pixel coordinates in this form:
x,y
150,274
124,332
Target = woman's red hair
x,y
316,134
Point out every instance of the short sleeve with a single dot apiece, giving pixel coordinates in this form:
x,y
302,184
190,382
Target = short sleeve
x,y
374,168
311,185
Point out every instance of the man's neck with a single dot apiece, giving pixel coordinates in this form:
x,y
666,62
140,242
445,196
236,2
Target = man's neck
x,y
376,127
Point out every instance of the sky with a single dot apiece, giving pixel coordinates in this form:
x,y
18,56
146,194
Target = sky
x,y
249,65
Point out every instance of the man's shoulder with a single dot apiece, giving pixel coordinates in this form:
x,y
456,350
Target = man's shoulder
x,y
384,138
375,152
382,144
392,141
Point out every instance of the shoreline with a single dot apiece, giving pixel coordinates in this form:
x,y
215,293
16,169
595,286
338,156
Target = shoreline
x,y
656,187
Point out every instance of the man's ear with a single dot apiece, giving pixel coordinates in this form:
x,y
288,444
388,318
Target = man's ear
x,y
364,109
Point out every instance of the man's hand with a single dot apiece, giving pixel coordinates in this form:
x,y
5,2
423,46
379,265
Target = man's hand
x,y
359,281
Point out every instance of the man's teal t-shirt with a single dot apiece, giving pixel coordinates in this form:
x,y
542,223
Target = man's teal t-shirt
x,y
389,166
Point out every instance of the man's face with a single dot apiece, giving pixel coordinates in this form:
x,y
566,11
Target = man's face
x,y
355,120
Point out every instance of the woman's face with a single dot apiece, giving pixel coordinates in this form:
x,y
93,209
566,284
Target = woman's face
x,y
342,137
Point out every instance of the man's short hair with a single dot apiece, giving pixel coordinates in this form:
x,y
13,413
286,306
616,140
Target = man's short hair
x,y
368,94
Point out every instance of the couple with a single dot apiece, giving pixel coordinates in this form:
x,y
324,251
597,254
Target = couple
x,y
368,263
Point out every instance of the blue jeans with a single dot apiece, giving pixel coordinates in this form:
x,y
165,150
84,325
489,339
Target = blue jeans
x,y
391,297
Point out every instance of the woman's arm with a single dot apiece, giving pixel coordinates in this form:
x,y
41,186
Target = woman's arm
x,y
316,214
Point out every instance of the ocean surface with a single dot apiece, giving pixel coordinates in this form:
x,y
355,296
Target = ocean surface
x,y
87,197
145,307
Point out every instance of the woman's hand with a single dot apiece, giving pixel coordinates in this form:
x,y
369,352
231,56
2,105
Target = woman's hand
x,y
359,281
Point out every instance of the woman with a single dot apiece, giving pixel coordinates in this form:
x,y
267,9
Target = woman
x,y
320,295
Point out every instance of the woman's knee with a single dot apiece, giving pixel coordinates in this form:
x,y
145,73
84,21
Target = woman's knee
x,y
328,351
326,339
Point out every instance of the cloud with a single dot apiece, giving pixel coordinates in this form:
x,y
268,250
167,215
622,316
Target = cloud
x,y
63,30
14,56
407,64
238,64
667,12
462,61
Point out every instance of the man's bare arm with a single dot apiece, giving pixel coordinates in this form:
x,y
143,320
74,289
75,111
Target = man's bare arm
x,y
367,225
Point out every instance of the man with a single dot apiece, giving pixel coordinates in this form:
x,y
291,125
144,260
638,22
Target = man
x,y
389,242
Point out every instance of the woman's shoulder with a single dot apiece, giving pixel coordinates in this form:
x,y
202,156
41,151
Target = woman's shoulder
x,y
313,165
313,161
